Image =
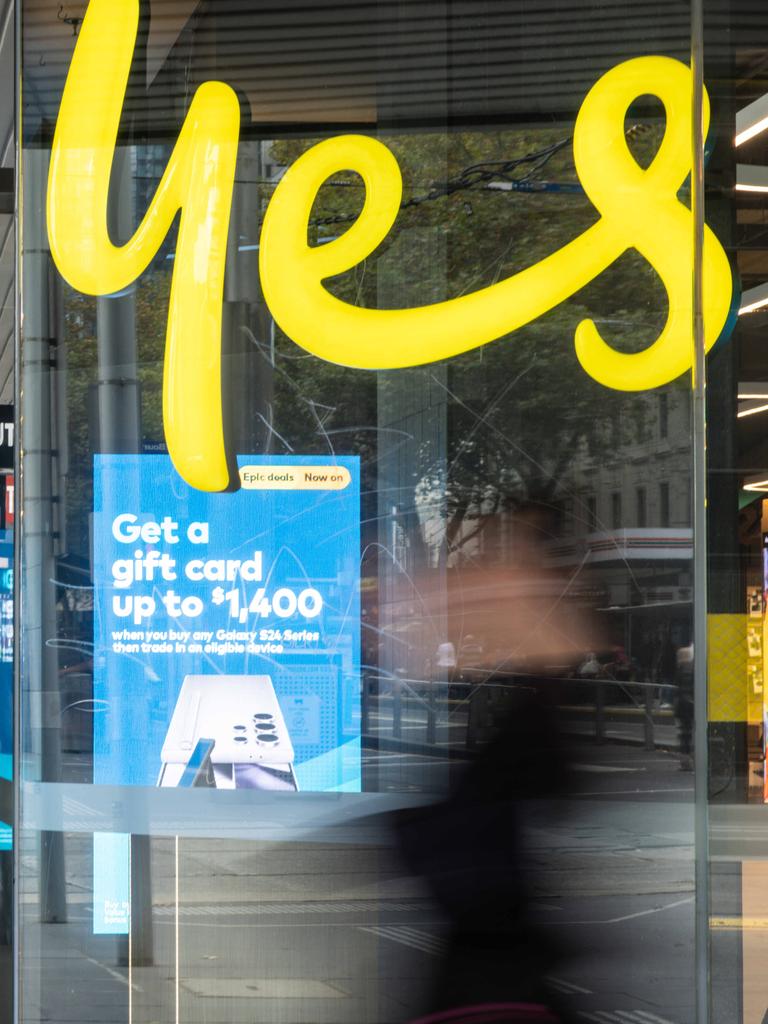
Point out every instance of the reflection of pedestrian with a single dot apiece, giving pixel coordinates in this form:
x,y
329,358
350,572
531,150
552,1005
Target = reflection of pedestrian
x,y
684,705
445,658
621,668
470,851
590,668
445,663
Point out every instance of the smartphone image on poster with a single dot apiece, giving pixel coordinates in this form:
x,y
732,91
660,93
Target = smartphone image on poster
x,y
229,732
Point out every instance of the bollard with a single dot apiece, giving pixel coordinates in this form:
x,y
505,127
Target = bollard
x,y
650,741
397,708
432,713
600,712
365,705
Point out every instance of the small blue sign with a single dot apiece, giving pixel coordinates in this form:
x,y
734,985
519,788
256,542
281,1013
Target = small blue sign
x,y
111,883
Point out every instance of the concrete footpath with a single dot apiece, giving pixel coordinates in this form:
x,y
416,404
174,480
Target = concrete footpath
x,y
339,933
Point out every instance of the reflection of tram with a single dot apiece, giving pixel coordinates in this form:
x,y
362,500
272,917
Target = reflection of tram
x,y
644,578
651,635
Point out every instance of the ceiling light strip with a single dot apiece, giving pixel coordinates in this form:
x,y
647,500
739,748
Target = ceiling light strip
x,y
751,178
751,120
753,299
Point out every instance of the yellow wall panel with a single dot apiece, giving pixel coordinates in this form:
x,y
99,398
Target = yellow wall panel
x,y
727,667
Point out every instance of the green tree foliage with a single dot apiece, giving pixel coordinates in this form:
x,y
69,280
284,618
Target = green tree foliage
x,y
521,408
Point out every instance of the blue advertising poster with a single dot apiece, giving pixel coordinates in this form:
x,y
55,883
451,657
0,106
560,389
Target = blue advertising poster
x,y
6,672
227,626
227,636
111,883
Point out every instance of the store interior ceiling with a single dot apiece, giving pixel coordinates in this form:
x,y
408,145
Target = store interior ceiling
x,y
346,62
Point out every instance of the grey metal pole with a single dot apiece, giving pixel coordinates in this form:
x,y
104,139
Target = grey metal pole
x,y
42,727
600,713
432,710
648,725
17,744
120,432
699,428
118,386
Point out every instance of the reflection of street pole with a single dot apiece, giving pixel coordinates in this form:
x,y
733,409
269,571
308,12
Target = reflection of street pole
x,y
42,724
247,328
118,387
119,417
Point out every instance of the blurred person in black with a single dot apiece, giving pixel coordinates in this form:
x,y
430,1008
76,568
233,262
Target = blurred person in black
x,y
684,706
470,848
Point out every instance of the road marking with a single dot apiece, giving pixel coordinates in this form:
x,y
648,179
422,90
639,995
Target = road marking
x,y
603,769
622,1017
116,975
285,907
412,937
652,1017
567,987
738,922
634,792
639,913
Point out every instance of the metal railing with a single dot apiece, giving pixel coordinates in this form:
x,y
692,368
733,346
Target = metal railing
x,y
433,713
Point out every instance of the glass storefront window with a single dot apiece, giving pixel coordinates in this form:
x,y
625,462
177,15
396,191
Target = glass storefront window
x,y
416,590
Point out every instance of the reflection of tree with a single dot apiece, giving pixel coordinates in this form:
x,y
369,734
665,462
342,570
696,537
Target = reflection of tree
x,y
152,292
520,408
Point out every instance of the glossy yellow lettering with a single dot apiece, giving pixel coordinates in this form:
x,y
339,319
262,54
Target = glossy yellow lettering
x,y
198,181
638,209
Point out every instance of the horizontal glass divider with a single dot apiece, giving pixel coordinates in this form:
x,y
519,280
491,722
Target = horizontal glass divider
x,y
267,817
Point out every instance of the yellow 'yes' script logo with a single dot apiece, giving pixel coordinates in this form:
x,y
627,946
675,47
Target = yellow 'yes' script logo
x,y
638,208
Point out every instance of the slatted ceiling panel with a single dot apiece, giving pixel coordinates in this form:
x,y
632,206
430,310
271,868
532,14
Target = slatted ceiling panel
x,y
300,61
165,28
7,74
310,61
416,60
7,307
47,51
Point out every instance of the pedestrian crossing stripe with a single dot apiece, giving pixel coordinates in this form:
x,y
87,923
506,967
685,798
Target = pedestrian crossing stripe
x,y
404,935
623,1017
566,987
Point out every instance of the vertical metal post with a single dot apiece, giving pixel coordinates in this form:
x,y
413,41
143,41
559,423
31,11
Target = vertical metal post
x,y
365,704
432,710
119,407
650,740
397,708
42,705
599,712
699,426
17,745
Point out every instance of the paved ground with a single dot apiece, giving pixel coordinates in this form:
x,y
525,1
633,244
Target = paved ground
x,y
335,933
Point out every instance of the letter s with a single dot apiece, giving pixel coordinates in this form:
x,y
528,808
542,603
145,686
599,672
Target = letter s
x,y
198,181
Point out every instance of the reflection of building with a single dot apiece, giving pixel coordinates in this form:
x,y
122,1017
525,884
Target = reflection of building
x,y
626,524
622,535
644,481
